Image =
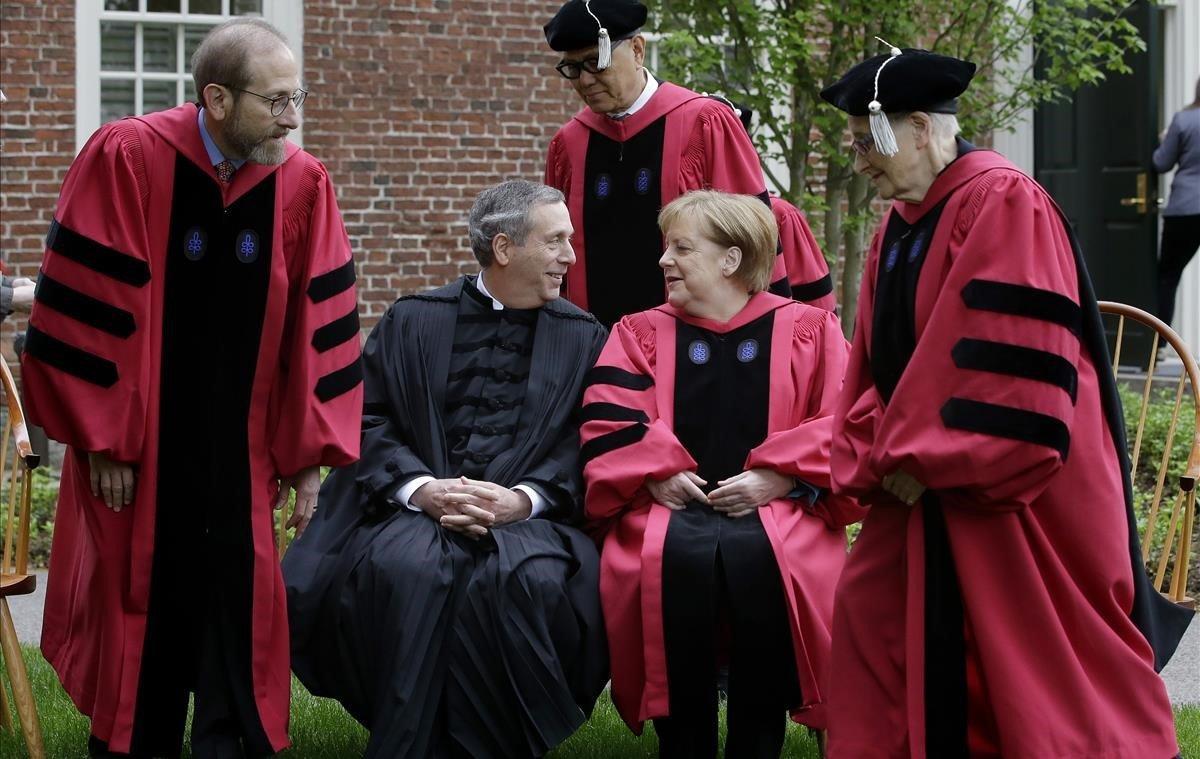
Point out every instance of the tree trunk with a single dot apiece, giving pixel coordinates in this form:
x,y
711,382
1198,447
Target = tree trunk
x,y
854,236
835,184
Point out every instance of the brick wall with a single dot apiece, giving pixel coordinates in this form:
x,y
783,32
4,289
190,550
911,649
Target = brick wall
x,y
37,127
416,107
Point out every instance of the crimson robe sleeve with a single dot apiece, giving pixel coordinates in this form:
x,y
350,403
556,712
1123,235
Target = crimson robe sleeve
x,y
720,156
624,440
805,265
983,412
85,372
819,353
558,168
320,382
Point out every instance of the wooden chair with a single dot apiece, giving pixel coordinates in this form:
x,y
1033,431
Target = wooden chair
x,y
16,472
1174,497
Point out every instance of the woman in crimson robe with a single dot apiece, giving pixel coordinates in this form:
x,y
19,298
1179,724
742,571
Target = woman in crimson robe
x,y
706,438
995,603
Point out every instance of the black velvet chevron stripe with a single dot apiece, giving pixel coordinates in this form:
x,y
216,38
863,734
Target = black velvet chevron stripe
x,y
781,288
1016,361
1022,300
84,308
99,258
818,288
611,412
331,283
337,382
336,332
1007,422
611,375
86,366
611,442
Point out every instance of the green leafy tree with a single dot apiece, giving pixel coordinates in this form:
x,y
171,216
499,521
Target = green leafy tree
x,y
776,55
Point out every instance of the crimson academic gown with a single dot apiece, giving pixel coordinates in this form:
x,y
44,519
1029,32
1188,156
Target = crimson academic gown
x,y
1007,612
618,174
207,334
628,438
807,269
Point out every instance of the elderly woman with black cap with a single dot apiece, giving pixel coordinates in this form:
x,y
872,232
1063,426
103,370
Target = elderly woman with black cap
x,y
705,432
994,603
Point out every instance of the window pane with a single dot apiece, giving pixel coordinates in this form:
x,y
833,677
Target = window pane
x,y
245,7
116,46
158,48
116,99
158,96
162,6
205,6
192,35
189,91
120,5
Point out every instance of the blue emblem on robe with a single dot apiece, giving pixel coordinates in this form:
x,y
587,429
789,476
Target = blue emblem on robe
x,y
699,352
917,246
641,182
603,185
892,254
246,246
195,242
747,351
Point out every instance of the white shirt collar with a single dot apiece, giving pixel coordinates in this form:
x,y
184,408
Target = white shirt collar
x,y
482,288
647,93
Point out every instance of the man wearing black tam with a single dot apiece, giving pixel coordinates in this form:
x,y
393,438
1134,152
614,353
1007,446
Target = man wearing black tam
x,y
637,145
994,603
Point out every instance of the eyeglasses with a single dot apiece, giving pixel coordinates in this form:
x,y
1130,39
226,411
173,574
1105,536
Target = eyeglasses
x,y
574,69
279,102
862,145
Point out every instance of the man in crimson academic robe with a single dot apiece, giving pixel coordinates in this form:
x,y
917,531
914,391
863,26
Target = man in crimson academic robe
x,y
995,602
637,144
194,341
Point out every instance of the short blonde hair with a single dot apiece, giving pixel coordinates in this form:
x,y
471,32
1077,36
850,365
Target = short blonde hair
x,y
741,221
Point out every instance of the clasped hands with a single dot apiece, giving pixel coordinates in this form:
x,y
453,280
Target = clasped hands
x,y
470,507
735,497
903,486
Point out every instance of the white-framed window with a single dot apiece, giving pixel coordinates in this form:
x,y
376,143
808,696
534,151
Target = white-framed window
x,y
134,56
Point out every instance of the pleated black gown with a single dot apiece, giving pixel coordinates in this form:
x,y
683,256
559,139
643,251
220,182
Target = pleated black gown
x,y
444,646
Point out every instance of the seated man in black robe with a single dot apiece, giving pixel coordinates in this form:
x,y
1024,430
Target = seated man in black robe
x,y
440,593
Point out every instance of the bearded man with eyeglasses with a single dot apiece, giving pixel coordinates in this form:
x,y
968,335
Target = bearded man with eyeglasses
x,y
194,342
638,144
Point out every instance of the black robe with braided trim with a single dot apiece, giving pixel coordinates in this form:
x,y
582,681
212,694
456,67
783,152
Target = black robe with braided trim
x,y
439,644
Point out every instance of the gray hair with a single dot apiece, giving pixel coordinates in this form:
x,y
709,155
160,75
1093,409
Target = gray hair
x,y
504,210
943,127
224,56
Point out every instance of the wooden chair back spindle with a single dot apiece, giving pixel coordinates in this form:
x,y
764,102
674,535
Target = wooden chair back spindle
x,y
1172,564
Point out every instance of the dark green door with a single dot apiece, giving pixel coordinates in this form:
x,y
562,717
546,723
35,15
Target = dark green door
x,y
1092,153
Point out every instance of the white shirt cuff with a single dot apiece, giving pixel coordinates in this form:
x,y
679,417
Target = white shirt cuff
x,y
405,491
535,498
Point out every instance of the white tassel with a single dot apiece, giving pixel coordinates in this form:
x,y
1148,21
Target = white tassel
x,y
604,47
604,52
881,128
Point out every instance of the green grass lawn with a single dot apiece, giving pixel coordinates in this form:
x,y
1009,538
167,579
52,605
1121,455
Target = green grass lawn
x,y
322,730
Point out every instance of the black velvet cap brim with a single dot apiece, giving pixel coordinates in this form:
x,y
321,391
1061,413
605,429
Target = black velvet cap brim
x,y
917,80
573,28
